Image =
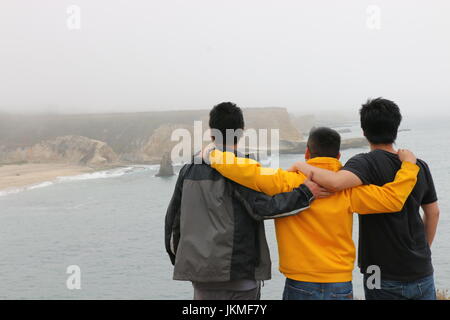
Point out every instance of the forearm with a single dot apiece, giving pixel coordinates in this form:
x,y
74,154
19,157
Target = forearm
x,y
242,171
430,221
171,230
390,197
249,173
172,219
430,228
282,204
331,180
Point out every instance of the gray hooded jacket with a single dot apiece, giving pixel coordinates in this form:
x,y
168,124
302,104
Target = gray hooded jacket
x,y
214,228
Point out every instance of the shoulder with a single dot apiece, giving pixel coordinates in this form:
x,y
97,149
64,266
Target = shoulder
x,y
184,169
361,155
372,157
200,172
362,165
422,164
424,168
361,159
369,155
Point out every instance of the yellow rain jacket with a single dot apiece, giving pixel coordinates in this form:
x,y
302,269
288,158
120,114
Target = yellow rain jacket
x,y
316,245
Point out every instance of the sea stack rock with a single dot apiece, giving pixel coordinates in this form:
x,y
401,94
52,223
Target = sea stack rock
x,y
166,168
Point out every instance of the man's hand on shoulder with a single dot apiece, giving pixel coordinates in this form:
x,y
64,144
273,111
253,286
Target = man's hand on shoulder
x,y
406,155
206,151
297,166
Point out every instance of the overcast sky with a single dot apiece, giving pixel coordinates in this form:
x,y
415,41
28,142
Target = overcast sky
x,y
167,54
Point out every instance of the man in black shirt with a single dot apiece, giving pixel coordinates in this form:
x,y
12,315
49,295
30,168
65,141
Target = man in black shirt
x,y
395,245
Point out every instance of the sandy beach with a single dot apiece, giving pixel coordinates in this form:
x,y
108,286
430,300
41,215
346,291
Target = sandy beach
x,y
16,176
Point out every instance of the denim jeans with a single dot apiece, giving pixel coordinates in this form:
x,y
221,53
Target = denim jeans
x,y
299,290
422,289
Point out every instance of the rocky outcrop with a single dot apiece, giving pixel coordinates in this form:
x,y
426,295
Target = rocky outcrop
x,y
165,168
66,149
289,147
354,143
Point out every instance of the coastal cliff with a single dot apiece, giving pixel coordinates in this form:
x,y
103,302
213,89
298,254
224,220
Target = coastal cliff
x,y
102,139
66,149
118,137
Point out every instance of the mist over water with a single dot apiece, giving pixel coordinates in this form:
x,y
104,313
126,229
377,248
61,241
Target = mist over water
x,y
175,54
113,229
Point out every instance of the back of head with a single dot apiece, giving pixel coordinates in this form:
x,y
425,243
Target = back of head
x,y
324,142
226,120
380,119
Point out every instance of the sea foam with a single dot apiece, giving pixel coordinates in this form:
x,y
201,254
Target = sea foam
x,y
104,174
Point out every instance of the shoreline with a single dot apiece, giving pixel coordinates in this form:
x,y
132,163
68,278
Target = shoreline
x,y
16,176
23,175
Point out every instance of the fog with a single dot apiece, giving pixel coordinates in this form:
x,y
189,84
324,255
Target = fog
x,y
308,56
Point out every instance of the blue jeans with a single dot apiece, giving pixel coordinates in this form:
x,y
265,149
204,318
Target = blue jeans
x,y
299,290
422,289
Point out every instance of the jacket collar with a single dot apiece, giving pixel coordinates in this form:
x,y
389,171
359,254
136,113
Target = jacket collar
x,y
233,150
332,164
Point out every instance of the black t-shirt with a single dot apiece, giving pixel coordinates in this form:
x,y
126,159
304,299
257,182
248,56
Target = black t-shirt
x,y
396,242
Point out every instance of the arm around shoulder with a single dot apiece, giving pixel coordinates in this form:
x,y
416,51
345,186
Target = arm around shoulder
x,y
391,197
332,181
261,206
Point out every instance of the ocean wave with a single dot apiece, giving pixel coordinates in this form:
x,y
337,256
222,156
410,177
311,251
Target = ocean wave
x,y
104,174
112,173
10,191
40,185
25,188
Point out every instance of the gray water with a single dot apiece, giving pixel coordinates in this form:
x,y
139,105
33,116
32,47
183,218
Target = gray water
x,y
111,226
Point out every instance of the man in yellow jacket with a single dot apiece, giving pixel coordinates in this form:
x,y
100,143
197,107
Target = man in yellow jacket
x,y
316,250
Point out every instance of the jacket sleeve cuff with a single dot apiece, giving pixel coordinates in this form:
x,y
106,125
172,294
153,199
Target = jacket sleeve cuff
x,y
305,190
410,165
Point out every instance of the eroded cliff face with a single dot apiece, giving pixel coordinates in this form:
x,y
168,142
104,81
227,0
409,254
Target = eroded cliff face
x,y
273,118
65,149
159,143
107,138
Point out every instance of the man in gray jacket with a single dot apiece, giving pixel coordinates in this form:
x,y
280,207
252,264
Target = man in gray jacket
x,y
214,227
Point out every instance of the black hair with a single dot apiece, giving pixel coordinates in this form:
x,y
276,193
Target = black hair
x,y
380,119
324,142
226,116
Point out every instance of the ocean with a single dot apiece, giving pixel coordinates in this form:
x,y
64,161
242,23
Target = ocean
x,y
111,225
